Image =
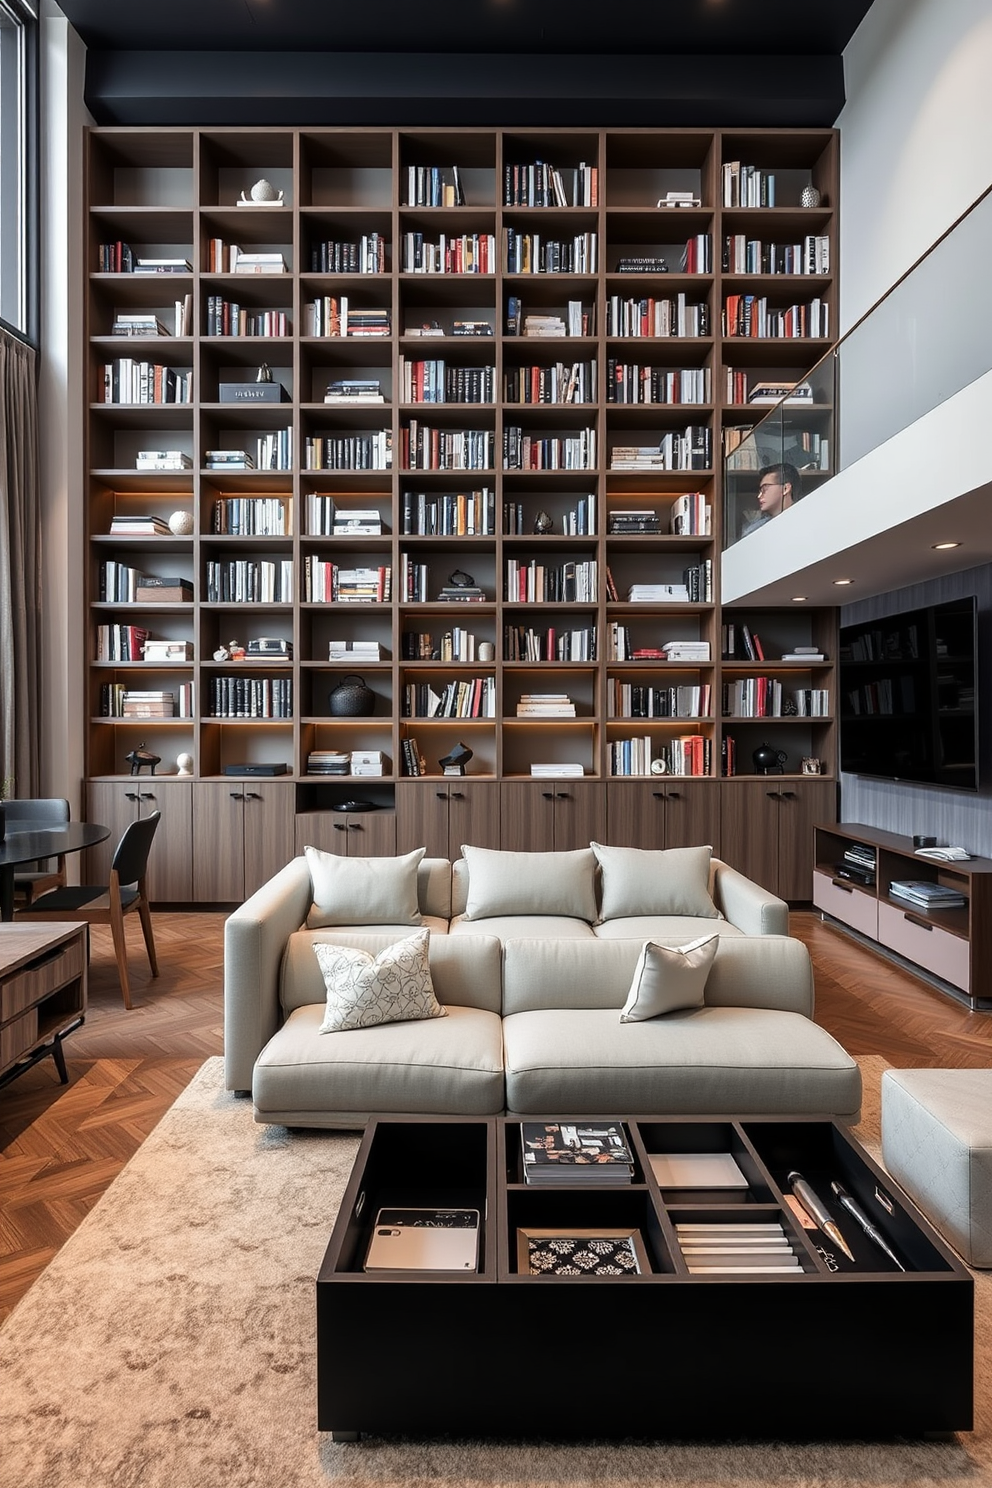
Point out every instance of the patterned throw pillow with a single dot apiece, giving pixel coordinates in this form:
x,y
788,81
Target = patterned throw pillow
x,y
363,990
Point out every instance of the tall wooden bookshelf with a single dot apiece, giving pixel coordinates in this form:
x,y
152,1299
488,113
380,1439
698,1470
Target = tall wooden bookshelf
x,y
355,223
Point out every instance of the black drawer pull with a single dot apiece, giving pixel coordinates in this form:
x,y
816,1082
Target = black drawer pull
x,y
845,888
920,924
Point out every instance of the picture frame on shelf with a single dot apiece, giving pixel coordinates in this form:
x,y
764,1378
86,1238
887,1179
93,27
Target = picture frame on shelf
x,y
811,765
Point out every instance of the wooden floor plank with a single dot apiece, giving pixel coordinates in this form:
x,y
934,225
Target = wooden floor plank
x,y
60,1146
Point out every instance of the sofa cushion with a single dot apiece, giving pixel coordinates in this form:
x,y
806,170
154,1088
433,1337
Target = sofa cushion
x,y
363,891
667,930
364,991
467,972
448,1066
530,883
641,881
718,1060
669,979
524,927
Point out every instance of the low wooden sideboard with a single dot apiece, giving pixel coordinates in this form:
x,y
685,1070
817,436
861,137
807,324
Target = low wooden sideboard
x,y
42,993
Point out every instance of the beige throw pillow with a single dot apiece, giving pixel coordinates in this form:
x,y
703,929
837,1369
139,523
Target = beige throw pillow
x,y
669,979
365,990
363,891
662,881
530,883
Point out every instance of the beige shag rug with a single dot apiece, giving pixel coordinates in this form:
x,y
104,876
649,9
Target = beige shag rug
x,y
170,1345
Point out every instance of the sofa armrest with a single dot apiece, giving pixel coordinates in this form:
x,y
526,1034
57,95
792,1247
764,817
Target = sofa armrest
x,y
255,937
745,904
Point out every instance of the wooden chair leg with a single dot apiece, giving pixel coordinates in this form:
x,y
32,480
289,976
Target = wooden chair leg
x,y
120,944
145,915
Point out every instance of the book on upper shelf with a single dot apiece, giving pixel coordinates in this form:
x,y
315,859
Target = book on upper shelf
x,y
927,895
162,266
781,391
135,324
563,770
553,1150
162,460
143,526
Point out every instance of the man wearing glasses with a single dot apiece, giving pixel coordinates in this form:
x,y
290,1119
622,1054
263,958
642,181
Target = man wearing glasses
x,y
778,487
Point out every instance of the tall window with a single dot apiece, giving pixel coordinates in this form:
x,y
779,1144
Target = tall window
x,y
18,165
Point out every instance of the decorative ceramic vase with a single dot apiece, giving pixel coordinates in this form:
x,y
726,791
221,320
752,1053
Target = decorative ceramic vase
x,y
181,523
769,761
351,698
810,196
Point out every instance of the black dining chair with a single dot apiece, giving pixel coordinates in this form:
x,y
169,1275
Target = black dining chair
x,y
49,873
107,904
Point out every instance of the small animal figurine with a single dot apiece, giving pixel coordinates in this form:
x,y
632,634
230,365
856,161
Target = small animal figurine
x,y
141,758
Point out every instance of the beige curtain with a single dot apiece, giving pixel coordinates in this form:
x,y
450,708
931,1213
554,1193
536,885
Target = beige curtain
x,y
20,569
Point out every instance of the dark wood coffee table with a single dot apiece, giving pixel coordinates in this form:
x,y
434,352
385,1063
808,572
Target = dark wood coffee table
x,y
839,1349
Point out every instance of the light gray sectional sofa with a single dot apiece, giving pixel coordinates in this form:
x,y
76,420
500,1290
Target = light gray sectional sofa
x,y
532,1001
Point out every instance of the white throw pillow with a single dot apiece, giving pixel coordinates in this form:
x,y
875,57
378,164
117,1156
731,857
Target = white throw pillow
x,y
363,891
530,883
669,979
364,990
661,881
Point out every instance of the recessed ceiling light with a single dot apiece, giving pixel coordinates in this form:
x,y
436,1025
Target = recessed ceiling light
x,y
939,547
798,598
843,581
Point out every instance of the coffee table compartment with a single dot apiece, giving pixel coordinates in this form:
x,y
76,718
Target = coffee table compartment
x,y
863,1349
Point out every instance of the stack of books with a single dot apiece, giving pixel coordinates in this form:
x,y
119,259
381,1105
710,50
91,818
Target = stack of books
x,y
635,521
592,1153
228,459
256,263
545,705
354,651
362,585
687,650
162,460
149,704
561,771
462,593
143,526
364,523
658,594
713,1248
138,324
925,895
544,325
328,762
804,653
162,266
355,390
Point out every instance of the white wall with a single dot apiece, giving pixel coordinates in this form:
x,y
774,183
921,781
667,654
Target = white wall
x,y
916,137
62,477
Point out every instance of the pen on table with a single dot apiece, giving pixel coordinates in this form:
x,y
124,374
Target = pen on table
x,y
860,1217
818,1211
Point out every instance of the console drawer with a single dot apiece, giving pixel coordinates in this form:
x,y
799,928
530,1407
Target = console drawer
x,y
946,955
855,908
35,982
18,1037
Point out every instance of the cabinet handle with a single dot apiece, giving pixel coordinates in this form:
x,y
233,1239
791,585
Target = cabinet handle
x,y
774,795
146,795
354,826
845,888
920,924
338,826
252,796
237,795
674,795
547,795
458,795
659,795
441,795
130,795
789,795
562,796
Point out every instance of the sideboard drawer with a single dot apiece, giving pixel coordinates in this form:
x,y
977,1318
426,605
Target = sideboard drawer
x,y
18,1037
37,980
946,955
855,908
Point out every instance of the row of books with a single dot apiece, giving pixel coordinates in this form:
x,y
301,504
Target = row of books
x,y
229,318
564,382
739,389
117,700
149,322
744,255
578,521
414,762
423,447
532,253
765,697
120,583
524,643
691,449
541,184
753,316
466,253
472,697
434,186
249,581
456,644
448,513
571,582
332,315
119,258
621,648
691,754
685,700
252,516
651,316
121,642
629,382
324,582
367,255
324,519
747,185
525,451
250,697
128,380
368,450
437,381
229,258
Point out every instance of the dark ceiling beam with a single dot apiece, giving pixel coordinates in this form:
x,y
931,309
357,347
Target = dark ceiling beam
x,y
389,88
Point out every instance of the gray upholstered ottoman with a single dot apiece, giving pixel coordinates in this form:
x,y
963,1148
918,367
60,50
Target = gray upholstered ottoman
x,y
937,1145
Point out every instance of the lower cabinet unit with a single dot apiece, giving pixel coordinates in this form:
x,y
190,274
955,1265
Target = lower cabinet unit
x,y
766,830
243,833
663,813
350,834
551,815
442,814
117,803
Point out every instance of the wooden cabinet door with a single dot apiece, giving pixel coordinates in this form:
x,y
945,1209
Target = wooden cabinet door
x,y
371,834
422,817
804,802
692,814
527,816
635,813
170,862
580,813
218,841
114,803
749,828
269,830
325,830
473,816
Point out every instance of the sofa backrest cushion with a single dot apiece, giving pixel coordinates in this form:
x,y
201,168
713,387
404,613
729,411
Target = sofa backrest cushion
x,y
767,972
465,971
530,883
663,881
363,891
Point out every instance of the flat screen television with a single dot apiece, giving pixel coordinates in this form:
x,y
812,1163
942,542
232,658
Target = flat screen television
x,y
908,696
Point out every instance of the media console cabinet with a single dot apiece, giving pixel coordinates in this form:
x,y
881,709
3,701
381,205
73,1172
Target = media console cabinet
x,y
42,993
953,947
835,1349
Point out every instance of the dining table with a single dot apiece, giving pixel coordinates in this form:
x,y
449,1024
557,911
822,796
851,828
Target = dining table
x,y
27,842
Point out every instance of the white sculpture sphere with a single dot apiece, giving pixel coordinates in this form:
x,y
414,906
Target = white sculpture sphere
x,y
184,764
181,523
263,190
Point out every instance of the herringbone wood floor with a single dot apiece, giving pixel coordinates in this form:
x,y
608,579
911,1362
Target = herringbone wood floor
x,y
61,1146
